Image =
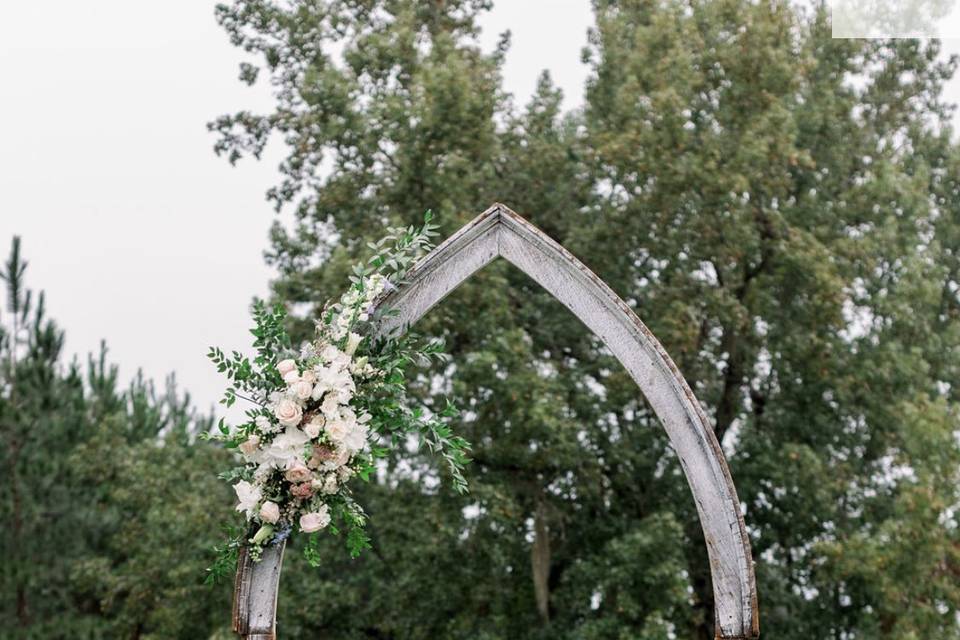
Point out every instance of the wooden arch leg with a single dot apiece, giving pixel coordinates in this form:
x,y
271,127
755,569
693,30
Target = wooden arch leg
x,y
255,594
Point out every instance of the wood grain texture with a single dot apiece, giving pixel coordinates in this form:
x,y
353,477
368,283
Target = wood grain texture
x,y
499,232
255,594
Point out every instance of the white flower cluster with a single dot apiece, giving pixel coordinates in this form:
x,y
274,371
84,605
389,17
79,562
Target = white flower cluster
x,y
359,301
304,447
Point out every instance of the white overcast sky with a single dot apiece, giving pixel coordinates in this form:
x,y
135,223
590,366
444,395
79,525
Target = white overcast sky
x,y
137,232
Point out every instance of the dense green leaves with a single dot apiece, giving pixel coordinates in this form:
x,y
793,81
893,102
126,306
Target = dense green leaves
x,y
782,209
109,504
777,205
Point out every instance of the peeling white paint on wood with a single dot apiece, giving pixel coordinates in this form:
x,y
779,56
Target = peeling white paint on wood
x,y
499,232
255,594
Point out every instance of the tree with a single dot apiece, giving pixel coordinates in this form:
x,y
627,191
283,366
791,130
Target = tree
x,y
40,408
779,208
109,503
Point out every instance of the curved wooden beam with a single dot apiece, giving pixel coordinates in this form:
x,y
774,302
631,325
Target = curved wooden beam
x,y
499,232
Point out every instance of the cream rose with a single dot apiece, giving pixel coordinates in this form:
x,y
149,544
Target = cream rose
x,y
270,512
288,412
302,389
341,458
297,472
309,376
250,445
291,377
337,430
286,366
310,522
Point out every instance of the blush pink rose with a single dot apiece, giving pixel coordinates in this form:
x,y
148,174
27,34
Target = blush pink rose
x,y
297,472
310,522
288,412
303,490
270,512
291,377
286,366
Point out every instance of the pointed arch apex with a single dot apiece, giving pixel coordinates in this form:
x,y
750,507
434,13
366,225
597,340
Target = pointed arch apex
x,y
501,232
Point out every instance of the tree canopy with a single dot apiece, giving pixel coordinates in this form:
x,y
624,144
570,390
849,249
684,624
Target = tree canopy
x,y
781,208
778,206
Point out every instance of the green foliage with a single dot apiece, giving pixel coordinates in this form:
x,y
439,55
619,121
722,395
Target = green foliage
x,y
363,375
108,501
780,207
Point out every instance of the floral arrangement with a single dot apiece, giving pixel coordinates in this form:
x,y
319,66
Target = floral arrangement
x,y
322,415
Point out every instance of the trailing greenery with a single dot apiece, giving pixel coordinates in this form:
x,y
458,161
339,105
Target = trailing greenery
x,y
329,411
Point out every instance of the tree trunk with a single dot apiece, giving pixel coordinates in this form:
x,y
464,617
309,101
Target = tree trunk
x,y
540,558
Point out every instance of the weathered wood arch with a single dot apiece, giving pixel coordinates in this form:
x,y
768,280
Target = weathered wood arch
x,y
499,232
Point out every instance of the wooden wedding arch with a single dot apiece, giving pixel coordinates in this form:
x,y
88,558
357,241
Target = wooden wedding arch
x,y
499,232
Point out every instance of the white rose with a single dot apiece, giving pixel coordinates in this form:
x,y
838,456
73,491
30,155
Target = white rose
x,y
337,430
248,496
291,377
250,445
314,426
286,366
330,404
270,512
288,412
302,390
310,522
353,341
